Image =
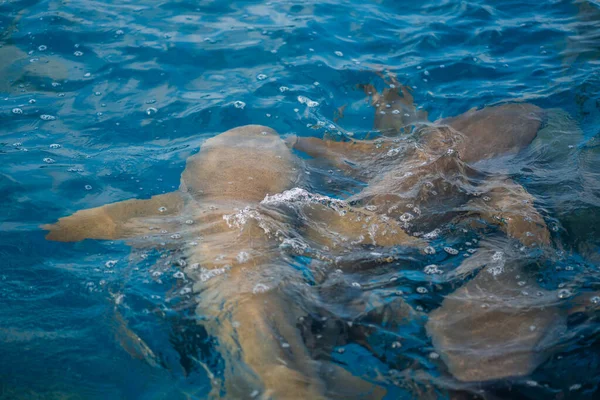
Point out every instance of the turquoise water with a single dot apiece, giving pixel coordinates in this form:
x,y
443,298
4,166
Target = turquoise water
x,y
104,101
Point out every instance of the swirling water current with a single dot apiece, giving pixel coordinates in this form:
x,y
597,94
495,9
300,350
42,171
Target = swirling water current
x,y
103,101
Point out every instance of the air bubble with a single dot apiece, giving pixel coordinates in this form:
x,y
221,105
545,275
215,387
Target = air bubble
x,y
49,160
407,217
564,293
88,187
451,251
356,285
261,77
162,209
78,53
422,290
185,290
305,100
55,146
432,270
47,117
339,54
242,257
433,234
239,104
429,250
260,288
17,111
110,263
189,221
151,111
42,47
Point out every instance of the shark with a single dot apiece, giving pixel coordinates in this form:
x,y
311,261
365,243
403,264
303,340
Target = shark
x,y
423,174
229,223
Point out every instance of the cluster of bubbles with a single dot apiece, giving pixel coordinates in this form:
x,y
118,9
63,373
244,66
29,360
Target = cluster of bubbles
x,y
309,103
450,250
260,288
432,269
242,217
302,196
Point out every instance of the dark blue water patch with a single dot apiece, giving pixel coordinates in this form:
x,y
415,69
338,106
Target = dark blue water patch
x,y
70,336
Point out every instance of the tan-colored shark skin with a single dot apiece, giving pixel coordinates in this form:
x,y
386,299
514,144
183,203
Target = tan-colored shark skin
x,y
489,329
240,277
392,169
436,167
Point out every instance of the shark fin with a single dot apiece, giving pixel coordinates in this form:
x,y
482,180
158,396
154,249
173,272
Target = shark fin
x,y
113,221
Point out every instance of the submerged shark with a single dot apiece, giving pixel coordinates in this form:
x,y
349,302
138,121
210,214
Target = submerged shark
x,y
425,174
232,234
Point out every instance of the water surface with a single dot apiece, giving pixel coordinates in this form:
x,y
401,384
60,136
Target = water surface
x,y
104,101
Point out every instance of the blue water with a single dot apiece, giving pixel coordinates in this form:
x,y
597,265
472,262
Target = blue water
x,y
104,101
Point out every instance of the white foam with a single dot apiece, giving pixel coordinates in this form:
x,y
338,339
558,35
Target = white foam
x,y
496,267
207,274
241,218
298,195
305,100
433,234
